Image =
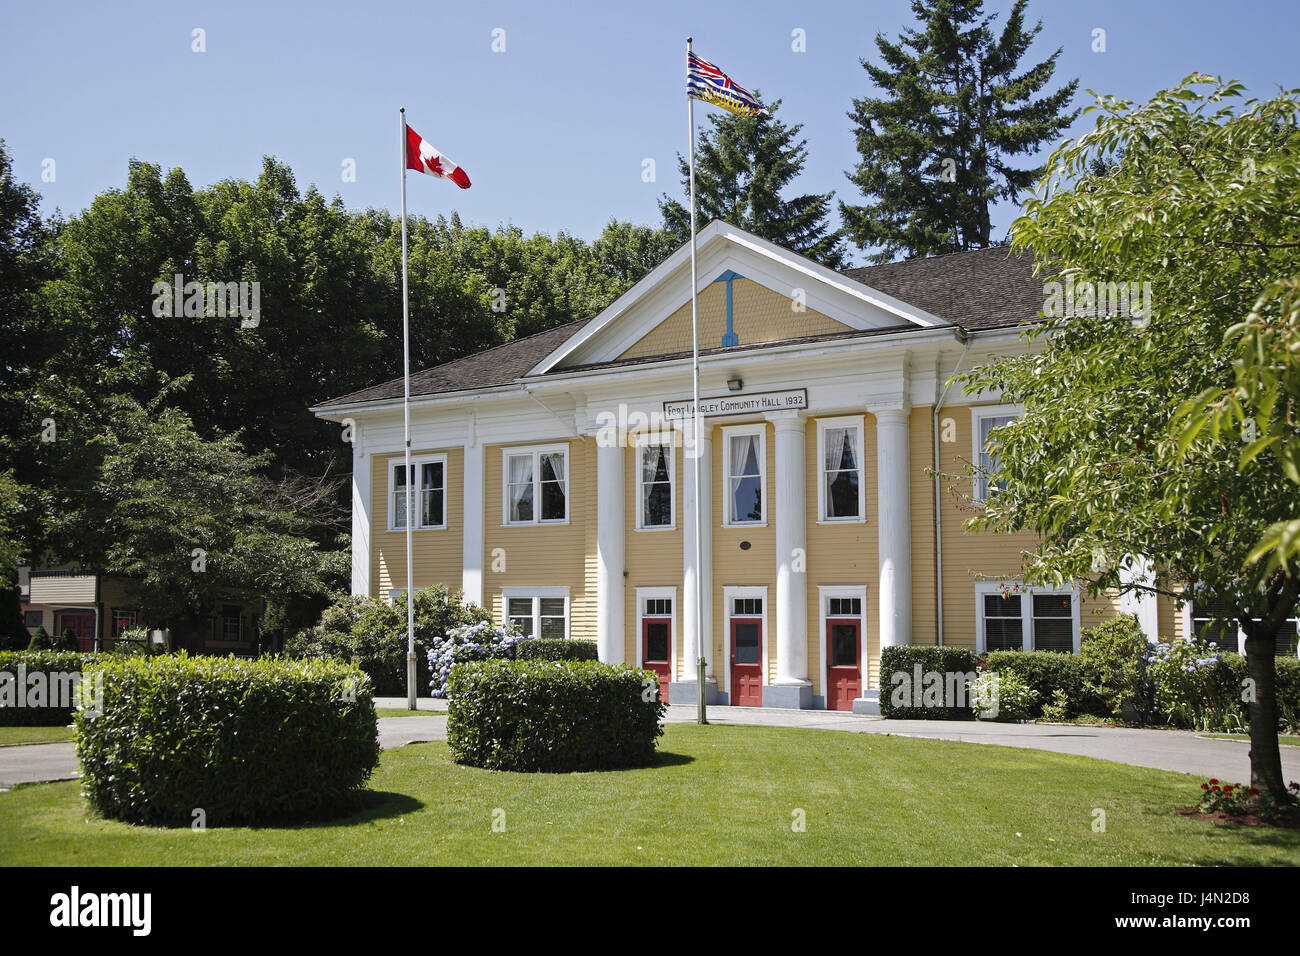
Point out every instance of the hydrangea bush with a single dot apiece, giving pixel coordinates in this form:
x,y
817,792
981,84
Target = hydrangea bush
x,y
467,642
1189,681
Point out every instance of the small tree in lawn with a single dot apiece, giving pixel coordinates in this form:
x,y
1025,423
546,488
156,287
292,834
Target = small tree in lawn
x,y
1102,464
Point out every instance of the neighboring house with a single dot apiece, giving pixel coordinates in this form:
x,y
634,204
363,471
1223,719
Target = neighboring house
x,y
554,475
97,607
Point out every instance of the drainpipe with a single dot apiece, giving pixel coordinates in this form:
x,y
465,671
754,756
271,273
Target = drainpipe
x,y
938,511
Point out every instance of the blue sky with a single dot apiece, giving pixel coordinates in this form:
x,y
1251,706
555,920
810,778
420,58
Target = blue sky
x,y
554,130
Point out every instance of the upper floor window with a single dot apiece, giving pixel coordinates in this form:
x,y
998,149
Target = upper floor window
x,y
429,492
655,507
536,484
840,494
983,421
745,461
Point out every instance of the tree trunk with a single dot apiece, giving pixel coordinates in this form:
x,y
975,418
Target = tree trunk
x,y
1265,751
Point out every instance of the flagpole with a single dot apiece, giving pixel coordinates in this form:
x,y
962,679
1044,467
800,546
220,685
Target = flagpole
x,y
702,715
406,416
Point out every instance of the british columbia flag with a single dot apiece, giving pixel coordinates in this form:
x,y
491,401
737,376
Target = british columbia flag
x,y
704,81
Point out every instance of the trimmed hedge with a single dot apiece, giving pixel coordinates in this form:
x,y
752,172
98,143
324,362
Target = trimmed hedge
x,y
53,688
243,740
554,649
948,699
552,716
1049,671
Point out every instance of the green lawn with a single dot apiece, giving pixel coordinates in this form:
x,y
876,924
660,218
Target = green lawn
x,y
402,712
1286,740
723,795
34,735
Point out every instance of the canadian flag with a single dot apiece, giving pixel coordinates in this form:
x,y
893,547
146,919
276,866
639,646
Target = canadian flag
x,y
423,158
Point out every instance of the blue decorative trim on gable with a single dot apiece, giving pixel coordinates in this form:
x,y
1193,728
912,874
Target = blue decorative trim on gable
x,y
729,337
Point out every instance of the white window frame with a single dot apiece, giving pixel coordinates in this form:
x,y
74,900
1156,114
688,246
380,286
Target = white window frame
x,y
641,442
843,421
977,415
651,594
759,429
1189,627
824,605
536,595
729,594
1026,596
417,464
536,451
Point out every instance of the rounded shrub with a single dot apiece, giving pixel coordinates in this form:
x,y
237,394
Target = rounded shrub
x,y
555,649
240,740
552,716
925,682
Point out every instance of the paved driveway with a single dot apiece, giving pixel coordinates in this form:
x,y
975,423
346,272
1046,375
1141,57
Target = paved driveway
x,y
1178,750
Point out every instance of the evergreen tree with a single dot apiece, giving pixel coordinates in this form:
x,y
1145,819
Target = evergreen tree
x,y
936,147
742,165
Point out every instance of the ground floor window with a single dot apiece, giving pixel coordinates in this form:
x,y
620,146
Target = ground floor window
x,y
1217,623
1028,620
124,619
543,612
33,618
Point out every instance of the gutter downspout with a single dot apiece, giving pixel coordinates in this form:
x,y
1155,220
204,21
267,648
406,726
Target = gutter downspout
x,y
964,338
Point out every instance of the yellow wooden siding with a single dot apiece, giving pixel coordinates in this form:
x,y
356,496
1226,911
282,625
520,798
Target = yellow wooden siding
x,y
548,555
734,567
653,559
758,315
438,552
969,557
840,553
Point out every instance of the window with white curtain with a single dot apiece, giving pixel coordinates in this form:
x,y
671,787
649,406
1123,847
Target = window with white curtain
x,y
841,493
984,421
429,493
655,485
745,459
536,484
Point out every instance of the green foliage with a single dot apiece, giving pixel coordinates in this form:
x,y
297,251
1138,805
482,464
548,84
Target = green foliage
x,y
371,634
554,649
552,716
1112,657
1102,465
41,640
907,693
242,740
162,492
1059,707
935,148
1005,696
742,165
67,641
13,632
1198,687
134,641
57,666
1046,672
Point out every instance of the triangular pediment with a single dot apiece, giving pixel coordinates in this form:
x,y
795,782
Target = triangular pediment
x,y
776,295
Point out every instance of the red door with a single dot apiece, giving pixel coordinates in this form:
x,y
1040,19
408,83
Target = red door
x,y
82,625
843,663
656,650
746,662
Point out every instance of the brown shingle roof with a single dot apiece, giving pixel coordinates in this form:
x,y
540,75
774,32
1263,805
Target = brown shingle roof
x,y
499,365
983,289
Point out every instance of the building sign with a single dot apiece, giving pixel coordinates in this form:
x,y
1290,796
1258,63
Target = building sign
x,y
755,402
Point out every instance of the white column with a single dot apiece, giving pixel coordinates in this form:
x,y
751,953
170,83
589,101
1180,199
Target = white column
x,y
1141,604
361,507
692,576
894,516
791,687
472,519
610,517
